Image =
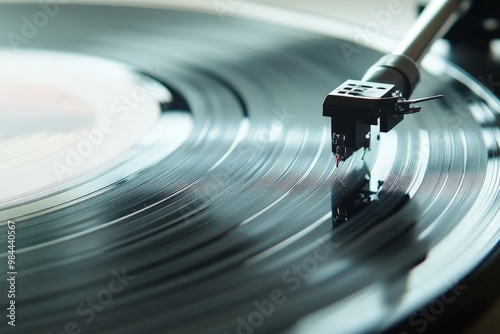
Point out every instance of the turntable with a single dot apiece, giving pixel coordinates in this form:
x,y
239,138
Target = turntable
x,y
165,167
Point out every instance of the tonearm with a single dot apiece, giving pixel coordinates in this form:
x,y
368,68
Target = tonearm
x,y
382,96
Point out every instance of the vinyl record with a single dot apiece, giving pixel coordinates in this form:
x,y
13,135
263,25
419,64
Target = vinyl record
x,y
192,187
